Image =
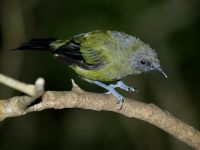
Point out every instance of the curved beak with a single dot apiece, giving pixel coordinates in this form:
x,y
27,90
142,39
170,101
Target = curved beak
x,y
162,72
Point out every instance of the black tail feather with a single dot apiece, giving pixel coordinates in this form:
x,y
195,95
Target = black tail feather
x,y
36,44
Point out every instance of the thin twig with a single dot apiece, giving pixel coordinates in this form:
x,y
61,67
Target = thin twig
x,y
77,98
29,89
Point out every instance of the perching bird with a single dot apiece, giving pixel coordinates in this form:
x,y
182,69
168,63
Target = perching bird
x,y
102,56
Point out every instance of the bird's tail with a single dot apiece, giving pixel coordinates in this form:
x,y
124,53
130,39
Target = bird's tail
x,y
37,45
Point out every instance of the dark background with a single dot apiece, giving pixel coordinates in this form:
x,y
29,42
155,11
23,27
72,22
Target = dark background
x,y
172,27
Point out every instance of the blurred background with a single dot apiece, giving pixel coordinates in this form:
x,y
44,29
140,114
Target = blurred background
x,y
172,27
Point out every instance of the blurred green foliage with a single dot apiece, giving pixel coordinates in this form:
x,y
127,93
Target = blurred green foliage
x,y
172,27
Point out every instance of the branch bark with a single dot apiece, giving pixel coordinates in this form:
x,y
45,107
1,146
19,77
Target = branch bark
x,y
78,98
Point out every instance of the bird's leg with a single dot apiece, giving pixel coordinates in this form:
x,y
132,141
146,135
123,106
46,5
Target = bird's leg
x,y
123,86
111,90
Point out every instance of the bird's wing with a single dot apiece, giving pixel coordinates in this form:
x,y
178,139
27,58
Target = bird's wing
x,y
71,52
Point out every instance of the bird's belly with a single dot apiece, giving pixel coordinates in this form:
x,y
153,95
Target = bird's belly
x,y
103,74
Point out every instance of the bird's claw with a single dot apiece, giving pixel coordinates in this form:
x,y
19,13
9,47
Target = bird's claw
x,y
111,90
120,104
107,93
123,86
132,89
120,99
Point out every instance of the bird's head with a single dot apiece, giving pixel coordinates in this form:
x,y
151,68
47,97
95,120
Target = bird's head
x,y
145,59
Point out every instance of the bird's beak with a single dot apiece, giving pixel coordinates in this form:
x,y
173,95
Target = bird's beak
x,y
162,72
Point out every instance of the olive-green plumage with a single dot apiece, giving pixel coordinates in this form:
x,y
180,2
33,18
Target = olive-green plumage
x,y
101,56
113,49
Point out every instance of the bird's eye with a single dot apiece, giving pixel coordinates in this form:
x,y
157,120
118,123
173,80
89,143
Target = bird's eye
x,y
143,61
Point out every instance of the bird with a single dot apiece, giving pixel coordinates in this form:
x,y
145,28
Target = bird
x,y
101,56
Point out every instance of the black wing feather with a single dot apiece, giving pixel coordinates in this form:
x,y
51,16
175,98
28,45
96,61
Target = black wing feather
x,y
70,53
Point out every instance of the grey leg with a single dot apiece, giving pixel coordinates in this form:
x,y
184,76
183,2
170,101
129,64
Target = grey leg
x,y
123,86
111,90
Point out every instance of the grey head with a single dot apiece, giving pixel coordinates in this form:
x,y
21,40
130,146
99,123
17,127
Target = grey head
x,y
145,59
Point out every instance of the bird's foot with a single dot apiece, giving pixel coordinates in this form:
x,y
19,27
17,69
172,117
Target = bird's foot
x,y
123,86
111,90
120,98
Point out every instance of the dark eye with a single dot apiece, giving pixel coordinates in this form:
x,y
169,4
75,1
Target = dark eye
x,y
143,61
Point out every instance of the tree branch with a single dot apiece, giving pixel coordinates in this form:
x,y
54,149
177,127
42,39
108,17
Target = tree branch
x,y
77,98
